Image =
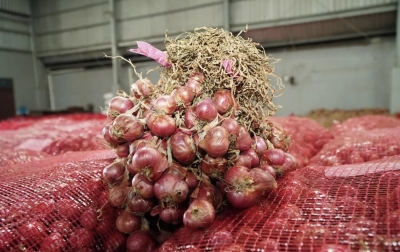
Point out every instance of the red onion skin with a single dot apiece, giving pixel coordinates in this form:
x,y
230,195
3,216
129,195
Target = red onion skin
x,y
141,241
216,142
118,195
223,101
136,145
243,194
200,214
190,118
255,160
184,95
222,187
290,163
107,136
262,180
126,128
272,157
122,150
165,104
119,105
127,222
244,160
115,242
172,214
207,191
232,125
269,169
182,173
114,173
183,148
142,88
279,138
244,140
171,187
194,83
214,167
260,144
138,204
149,162
161,125
206,110
142,186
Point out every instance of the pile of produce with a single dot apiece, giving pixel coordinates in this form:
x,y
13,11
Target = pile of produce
x,y
196,142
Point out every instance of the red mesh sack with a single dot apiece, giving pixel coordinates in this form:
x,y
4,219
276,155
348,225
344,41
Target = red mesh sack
x,y
316,208
55,135
363,123
360,146
307,136
9,156
52,206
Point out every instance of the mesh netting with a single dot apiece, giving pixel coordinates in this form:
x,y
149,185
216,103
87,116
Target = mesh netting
x,y
51,204
306,136
360,146
362,123
57,134
316,208
9,157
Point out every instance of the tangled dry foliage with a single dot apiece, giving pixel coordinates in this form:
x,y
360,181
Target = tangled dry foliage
x,y
204,50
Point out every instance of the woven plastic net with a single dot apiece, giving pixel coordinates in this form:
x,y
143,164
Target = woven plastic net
x,y
51,205
360,146
365,123
307,136
9,156
316,208
55,134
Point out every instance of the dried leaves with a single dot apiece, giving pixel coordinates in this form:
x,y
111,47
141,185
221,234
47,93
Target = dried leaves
x,y
205,50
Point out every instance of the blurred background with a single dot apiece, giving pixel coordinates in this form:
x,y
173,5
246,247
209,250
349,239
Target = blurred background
x,y
335,54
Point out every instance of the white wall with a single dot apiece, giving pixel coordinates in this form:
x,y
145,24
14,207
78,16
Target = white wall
x,y
350,75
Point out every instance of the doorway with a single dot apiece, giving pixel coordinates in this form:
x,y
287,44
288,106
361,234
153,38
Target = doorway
x,y
7,108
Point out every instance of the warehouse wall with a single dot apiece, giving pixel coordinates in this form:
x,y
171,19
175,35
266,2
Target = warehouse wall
x,y
345,75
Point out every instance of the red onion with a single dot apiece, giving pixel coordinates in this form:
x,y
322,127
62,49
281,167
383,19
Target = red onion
x,y
182,173
165,104
223,100
279,138
222,187
216,142
190,117
137,144
142,186
214,167
122,150
127,222
115,241
172,214
232,126
184,95
206,110
244,141
119,105
269,169
126,127
255,160
260,144
149,162
141,241
272,157
183,148
170,188
241,192
200,214
244,160
207,191
138,204
161,125
117,196
114,173
262,180
194,83
290,163
142,88
107,136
